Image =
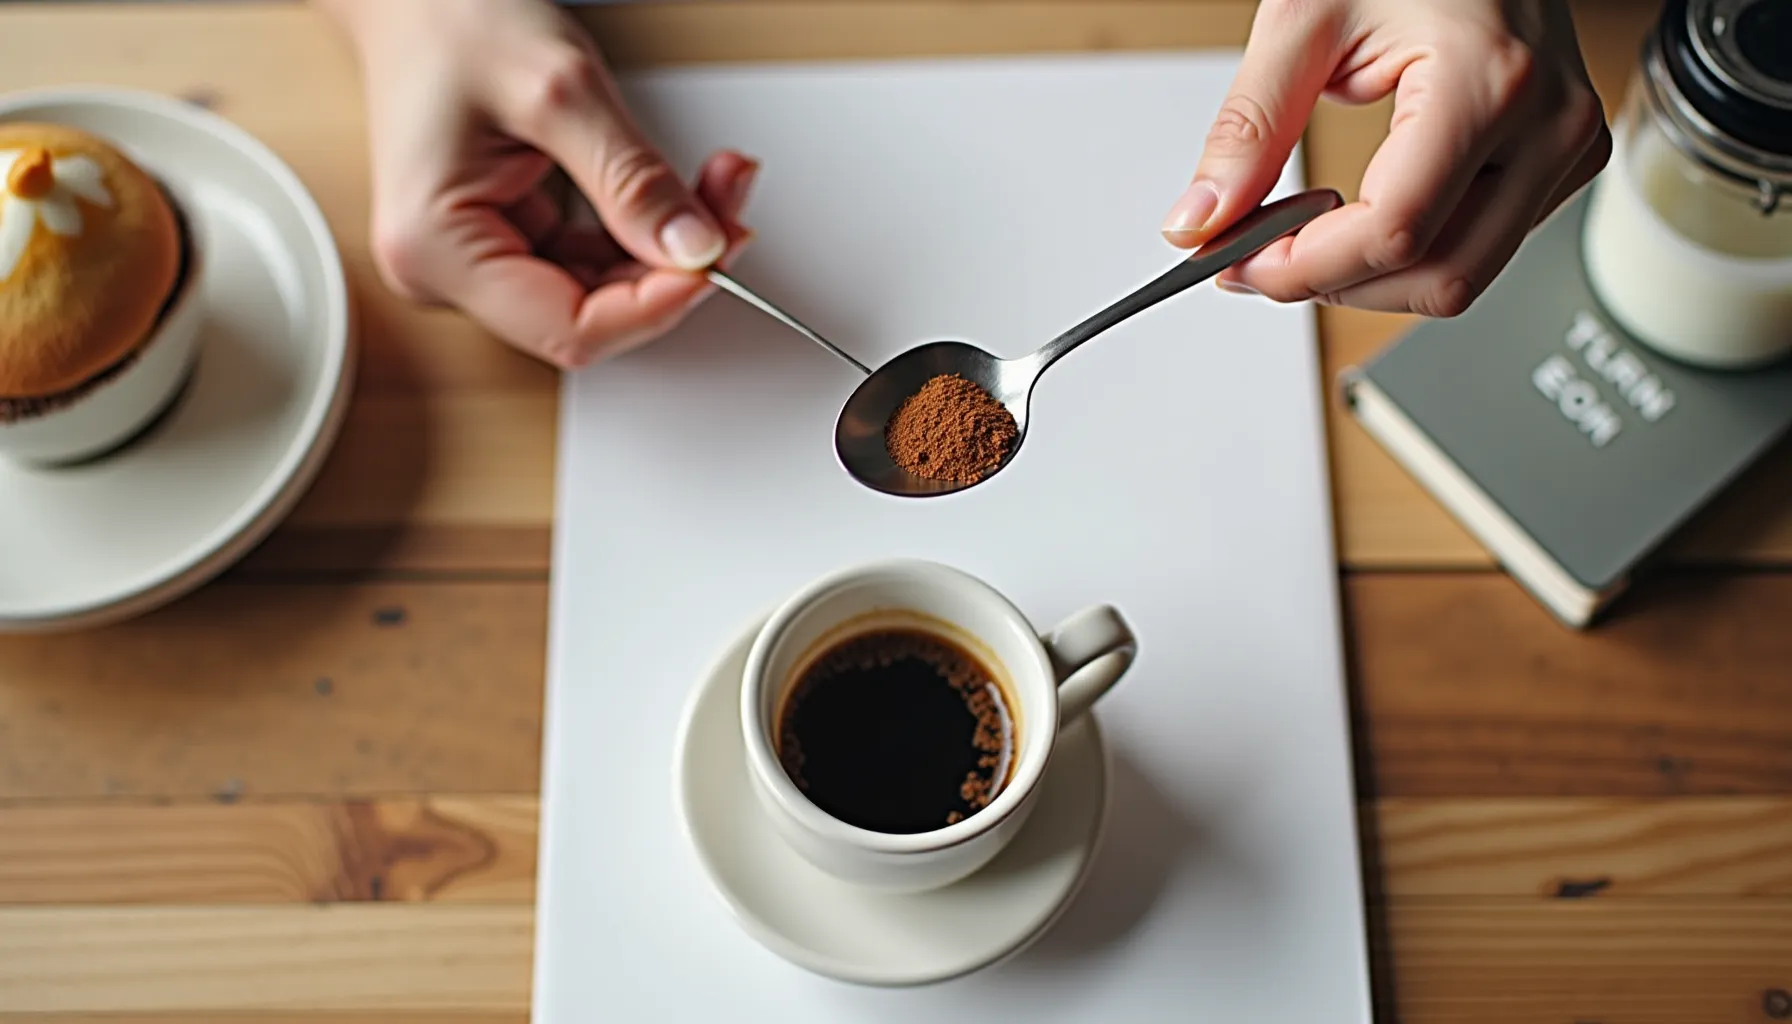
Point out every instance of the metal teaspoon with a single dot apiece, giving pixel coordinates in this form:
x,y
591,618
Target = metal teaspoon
x,y
859,433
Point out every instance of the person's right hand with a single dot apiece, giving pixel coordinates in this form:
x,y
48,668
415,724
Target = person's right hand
x,y
471,104
1495,126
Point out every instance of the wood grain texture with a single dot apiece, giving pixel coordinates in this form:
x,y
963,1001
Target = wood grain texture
x,y
1580,848
1651,961
397,551
1467,687
296,689
450,458
1641,962
452,435
441,849
340,956
278,1017
481,849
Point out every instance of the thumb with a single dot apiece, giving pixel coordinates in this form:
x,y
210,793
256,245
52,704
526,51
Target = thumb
x,y
1287,62
577,119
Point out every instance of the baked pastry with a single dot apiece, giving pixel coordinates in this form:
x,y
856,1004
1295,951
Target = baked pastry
x,y
91,253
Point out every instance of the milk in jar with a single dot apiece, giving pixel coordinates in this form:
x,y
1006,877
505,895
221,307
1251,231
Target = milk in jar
x,y
1688,235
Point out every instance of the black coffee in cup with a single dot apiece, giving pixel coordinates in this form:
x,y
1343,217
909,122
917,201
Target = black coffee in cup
x,y
898,731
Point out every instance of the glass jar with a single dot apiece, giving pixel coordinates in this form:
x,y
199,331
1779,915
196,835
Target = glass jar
x,y
1688,236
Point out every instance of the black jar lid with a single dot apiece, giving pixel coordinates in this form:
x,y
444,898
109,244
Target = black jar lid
x,y
1732,61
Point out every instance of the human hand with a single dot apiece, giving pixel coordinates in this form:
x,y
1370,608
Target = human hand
x,y
1495,125
471,105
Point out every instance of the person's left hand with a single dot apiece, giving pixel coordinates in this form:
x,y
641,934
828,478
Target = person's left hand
x,y
471,106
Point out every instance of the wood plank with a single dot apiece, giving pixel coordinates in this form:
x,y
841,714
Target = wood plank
x,y
472,458
1655,962
443,849
399,551
342,956
263,690
481,849
1643,961
274,1017
1576,848
800,30
1467,687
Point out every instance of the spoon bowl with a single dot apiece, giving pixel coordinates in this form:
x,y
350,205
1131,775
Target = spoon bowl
x,y
859,431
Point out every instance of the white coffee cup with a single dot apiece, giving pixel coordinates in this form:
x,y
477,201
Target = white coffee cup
x,y
1051,680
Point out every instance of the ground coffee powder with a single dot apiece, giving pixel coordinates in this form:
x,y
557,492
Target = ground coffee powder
x,y
950,430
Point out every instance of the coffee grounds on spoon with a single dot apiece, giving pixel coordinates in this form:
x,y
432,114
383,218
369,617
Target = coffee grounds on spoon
x,y
950,430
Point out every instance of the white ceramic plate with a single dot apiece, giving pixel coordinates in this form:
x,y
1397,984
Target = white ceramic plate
x,y
842,931
94,543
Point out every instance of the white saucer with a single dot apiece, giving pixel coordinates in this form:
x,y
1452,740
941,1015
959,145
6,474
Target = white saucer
x,y
854,935
94,543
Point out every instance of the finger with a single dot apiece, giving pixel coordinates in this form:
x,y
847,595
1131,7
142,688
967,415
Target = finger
x,y
1591,163
1573,125
480,260
1441,136
568,111
584,249
587,250
646,302
717,187
622,315
1489,226
725,183
720,178
582,246
726,175
661,299
628,270
1290,56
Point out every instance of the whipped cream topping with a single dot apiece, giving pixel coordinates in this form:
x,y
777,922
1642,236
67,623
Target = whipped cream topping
x,y
24,202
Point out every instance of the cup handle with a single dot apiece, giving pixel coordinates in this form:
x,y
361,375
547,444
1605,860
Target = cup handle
x,y
1090,651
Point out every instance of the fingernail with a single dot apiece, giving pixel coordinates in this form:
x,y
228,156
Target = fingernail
x,y
743,185
1192,212
691,242
1234,287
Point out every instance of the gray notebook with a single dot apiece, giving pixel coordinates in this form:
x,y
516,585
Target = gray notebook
x,y
1570,450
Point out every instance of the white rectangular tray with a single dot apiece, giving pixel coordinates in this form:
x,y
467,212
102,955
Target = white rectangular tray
x,y
1175,467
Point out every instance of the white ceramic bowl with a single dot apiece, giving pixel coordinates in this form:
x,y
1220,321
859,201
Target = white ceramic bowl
x,y
119,408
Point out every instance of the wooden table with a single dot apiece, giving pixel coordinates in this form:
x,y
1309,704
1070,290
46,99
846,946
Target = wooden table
x,y
309,790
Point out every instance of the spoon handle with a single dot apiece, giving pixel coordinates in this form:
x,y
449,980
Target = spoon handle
x,y
747,295
1253,232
